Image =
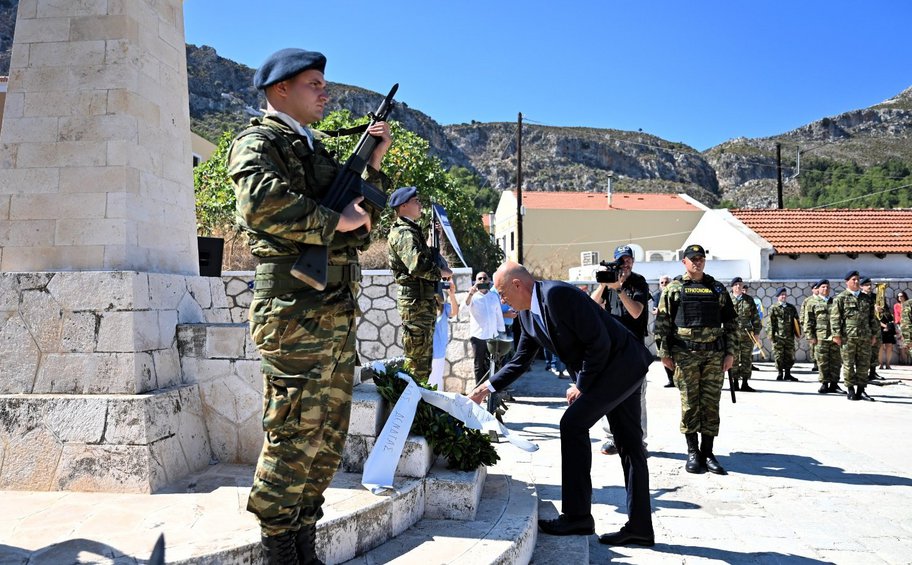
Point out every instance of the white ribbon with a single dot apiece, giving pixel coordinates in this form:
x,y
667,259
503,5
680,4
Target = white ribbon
x,y
384,457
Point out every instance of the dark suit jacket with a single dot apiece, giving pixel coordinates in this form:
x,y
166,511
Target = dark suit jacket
x,y
603,356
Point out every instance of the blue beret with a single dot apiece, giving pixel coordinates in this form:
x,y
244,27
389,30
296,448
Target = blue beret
x,y
822,282
621,251
285,64
780,290
866,280
402,195
735,281
693,250
850,274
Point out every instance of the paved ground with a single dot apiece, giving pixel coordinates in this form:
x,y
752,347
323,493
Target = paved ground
x,y
812,478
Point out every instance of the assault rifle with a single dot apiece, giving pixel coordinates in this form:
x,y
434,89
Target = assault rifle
x,y
313,263
732,383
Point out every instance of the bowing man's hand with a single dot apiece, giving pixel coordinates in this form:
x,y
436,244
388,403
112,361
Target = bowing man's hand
x,y
480,393
572,394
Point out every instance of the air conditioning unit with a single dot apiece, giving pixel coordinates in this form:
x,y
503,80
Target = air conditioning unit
x,y
661,255
589,258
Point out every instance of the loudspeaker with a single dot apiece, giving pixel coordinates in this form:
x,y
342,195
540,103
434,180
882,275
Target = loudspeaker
x,y
210,255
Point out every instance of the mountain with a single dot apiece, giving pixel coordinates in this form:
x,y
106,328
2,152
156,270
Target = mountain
x,y
740,172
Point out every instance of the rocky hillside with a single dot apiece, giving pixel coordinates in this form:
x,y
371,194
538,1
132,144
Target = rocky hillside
x,y
740,171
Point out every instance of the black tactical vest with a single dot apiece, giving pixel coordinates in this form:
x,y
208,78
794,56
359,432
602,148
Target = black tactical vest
x,y
699,306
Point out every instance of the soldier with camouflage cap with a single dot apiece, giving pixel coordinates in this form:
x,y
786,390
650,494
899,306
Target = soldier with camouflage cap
x,y
748,325
782,318
818,333
867,292
418,270
695,330
853,325
306,337
805,306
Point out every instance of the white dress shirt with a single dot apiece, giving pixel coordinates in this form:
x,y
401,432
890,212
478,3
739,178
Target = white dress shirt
x,y
485,315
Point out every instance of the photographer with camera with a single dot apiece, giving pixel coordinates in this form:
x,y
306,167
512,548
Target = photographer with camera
x,y
625,295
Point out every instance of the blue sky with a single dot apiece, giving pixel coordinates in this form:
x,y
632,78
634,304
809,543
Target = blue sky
x,y
699,72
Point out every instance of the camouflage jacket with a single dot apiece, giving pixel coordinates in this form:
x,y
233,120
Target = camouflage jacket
x,y
852,316
782,317
413,262
748,317
669,337
905,322
279,182
817,318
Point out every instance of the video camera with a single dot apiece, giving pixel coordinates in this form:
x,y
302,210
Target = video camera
x,y
611,272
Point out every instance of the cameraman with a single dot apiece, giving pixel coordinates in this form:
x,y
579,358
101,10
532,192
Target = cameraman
x,y
625,299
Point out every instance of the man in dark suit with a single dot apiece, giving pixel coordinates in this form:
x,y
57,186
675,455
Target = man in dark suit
x,y
608,365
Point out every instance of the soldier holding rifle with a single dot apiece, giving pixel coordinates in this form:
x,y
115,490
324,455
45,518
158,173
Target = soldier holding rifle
x,y
748,328
306,337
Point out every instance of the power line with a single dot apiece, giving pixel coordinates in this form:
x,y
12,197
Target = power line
x,y
860,197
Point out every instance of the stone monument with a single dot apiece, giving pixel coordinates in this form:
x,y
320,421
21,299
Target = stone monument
x,y
98,257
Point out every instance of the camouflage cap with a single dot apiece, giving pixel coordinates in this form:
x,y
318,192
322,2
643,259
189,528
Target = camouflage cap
x,y
692,251
286,63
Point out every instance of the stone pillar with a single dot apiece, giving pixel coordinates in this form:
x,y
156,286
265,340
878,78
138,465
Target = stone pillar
x,y
95,157
98,260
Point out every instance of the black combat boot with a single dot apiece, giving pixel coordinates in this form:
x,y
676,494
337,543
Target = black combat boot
x,y
746,387
788,376
779,375
834,387
706,450
306,545
824,388
850,393
695,463
860,394
280,549
814,367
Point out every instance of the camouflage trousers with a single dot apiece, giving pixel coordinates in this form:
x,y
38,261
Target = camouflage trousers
x,y
698,375
418,320
308,366
812,350
828,361
856,360
784,352
744,355
875,352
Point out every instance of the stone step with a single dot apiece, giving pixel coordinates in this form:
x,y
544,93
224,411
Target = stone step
x,y
503,530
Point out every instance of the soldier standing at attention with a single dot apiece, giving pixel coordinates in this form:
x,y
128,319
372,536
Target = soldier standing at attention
x,y
853,325
695,335
748,324
782,317
905,324
867,292
306,337
812,349
817,332
418,271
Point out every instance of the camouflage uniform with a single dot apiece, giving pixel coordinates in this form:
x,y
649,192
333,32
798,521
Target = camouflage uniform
x,y
905,322
878,337
698,352
306,337
417,272
781,329
853,320
817,326
805,307
748,322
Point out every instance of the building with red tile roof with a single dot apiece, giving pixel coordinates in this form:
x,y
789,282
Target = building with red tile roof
x,y
561,230
811,244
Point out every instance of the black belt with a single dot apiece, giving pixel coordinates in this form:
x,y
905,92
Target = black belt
x,y
717,345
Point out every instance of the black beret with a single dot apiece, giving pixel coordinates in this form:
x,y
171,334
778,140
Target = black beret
x,y
694,250
285,64
780,290
866,280
402,195
735,281
850,274
822,282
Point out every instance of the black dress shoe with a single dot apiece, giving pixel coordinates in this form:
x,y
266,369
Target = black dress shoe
x,y
565,526
624,537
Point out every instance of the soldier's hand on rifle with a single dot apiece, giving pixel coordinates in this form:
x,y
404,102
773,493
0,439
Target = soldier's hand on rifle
x,y
353,217
380,130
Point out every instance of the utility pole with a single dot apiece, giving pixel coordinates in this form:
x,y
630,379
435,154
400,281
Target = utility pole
x,y
519,206
779,173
